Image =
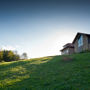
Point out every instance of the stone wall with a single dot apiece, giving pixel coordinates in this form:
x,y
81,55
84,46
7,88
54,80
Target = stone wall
x,y
71,50
88,46
85,46
76,46
64,52
85,43
68,51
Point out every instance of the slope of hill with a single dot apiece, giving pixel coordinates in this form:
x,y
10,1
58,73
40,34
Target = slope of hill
x,y
47,73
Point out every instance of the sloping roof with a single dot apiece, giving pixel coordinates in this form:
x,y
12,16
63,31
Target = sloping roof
x,y
78,34
68,45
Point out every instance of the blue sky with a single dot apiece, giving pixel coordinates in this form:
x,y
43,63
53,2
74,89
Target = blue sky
x,y
41,28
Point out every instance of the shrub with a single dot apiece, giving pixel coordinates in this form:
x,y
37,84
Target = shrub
x,y
8,55
1,56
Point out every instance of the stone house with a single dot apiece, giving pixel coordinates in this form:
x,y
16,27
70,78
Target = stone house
x,y
80,43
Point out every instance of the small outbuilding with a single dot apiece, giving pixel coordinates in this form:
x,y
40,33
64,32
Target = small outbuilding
x,y
68,49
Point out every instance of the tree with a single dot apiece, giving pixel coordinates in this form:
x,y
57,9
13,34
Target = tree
x,y
24,56
16,57
1,56
10,56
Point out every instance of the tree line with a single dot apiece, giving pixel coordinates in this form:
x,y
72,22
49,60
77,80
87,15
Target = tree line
x,y
8,55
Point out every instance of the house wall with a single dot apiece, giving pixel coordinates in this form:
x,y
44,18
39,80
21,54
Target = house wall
x,y
85,42
71,50
68,51
65,51
76,46
89,43
88,46
85,46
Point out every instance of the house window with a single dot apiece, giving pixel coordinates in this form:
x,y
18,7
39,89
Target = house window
x,y
67,51
80,41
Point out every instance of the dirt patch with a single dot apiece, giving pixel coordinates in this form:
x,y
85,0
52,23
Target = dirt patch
x,y
67,58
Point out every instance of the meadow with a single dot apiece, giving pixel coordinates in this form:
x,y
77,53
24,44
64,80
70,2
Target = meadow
x,y
47,73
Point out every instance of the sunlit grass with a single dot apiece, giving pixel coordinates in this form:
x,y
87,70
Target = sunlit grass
x,y
47,73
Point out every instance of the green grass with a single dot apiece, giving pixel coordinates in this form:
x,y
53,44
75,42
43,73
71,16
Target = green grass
x,y
47,73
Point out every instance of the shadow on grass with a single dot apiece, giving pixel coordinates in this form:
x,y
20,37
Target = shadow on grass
x,y
35,72
50,74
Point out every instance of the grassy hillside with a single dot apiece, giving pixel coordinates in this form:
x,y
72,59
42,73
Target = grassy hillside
x,y
47,73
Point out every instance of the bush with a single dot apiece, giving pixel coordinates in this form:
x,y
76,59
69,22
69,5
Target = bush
x,y
1,56
7,56
86,51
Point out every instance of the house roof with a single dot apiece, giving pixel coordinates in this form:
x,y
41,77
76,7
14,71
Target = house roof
x,y
68,45
78,34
